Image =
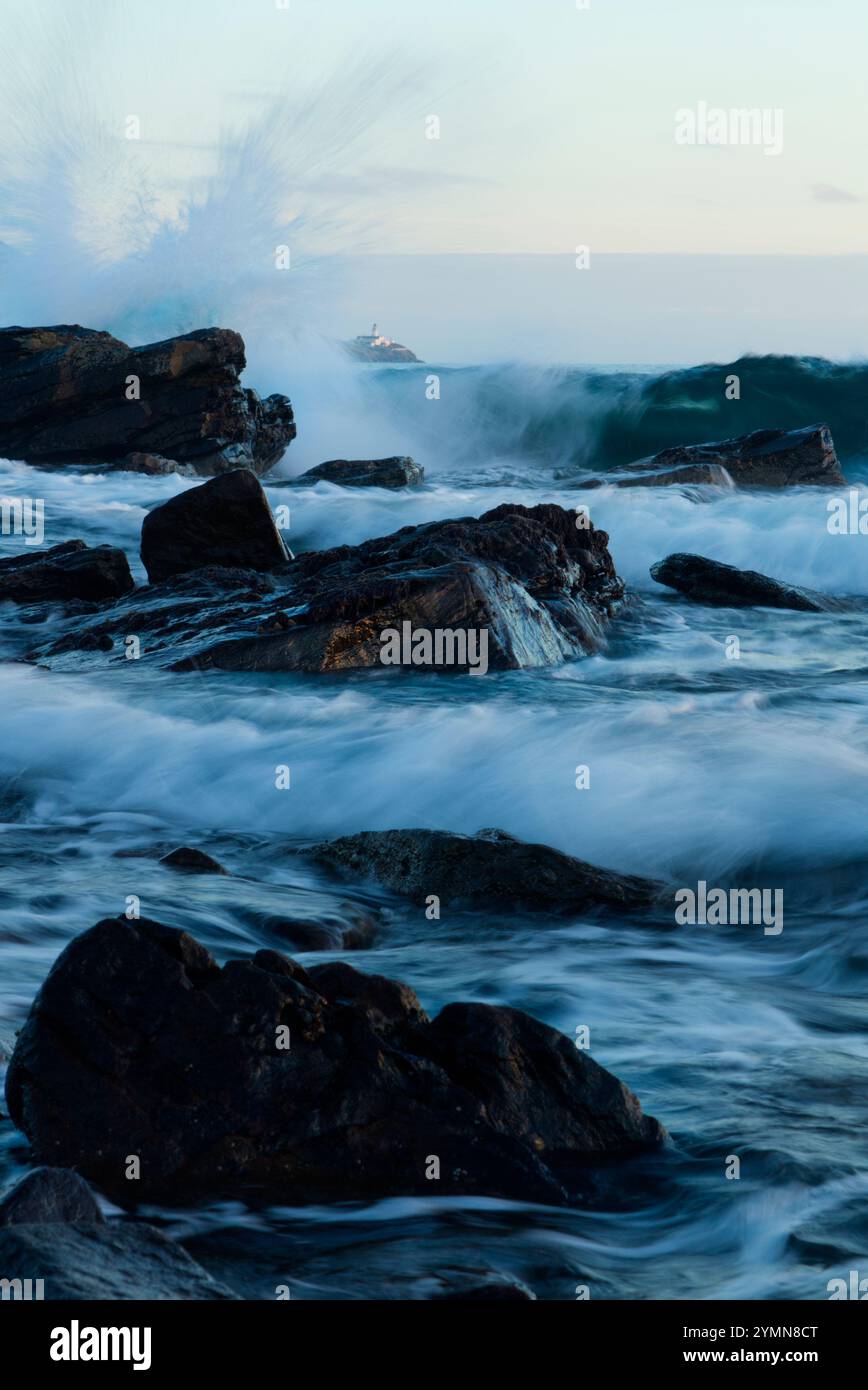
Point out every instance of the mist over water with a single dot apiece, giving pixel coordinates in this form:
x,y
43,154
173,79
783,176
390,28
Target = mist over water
x,y
746,772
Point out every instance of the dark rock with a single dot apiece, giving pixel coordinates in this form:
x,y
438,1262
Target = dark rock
x,y
114,1260
68,571
391,473
63,400
138,1043
49,1194
766,458
529,582
153,465
324,935
708,581
490,867
226,521
497,1288
690,475
192,861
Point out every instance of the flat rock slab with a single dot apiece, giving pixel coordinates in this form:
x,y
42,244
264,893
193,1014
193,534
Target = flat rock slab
x,y
114,1260
66,572
226,521
390,473
325,1083
490,867
765,458
708,581
71,395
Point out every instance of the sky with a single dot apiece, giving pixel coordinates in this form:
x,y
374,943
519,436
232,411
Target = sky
x,y
557,133
556,122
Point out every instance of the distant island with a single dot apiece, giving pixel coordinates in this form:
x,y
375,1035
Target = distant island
x,y
374,347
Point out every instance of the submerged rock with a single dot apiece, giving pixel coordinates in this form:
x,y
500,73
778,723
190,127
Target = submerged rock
x,y
114,1260
65,398
489,867
766,458
692,474
49,1194
708,581
226,521
309,1084
519,586
390,473
64,572
192,861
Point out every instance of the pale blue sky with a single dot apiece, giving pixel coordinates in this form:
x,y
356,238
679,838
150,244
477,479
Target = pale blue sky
x,y
556,123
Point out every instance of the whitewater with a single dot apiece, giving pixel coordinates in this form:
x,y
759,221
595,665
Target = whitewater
x,y
701,767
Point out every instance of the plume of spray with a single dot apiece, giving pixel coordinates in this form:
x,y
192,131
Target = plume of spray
x,y
90,234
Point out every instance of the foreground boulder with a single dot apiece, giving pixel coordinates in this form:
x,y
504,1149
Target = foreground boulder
x,y
490,867
519,586
65,399
71,570
390,473
309,1084
112,1260
766,458
226,521
708,581
49,1194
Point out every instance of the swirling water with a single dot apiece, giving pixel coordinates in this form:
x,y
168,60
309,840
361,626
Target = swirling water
x,y
748,772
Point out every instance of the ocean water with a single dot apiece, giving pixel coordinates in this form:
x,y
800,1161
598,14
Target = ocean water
x,y
742,772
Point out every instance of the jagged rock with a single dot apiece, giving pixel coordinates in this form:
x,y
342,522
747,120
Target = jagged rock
x,y
139,1043
64,400
49,1194
68,571
766,458
527,582
113,1260
708,581
489,867
226,521
192,861
390,473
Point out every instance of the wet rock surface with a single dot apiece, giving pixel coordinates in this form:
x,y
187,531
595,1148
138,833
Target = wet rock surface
x,y
226,521
709,581
139,1043
49,1194
540,588
390,473
65,572
766,458
112,1260
73,395
489,867
191,861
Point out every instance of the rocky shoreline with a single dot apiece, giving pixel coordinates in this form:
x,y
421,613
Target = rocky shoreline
x,y
259,1075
